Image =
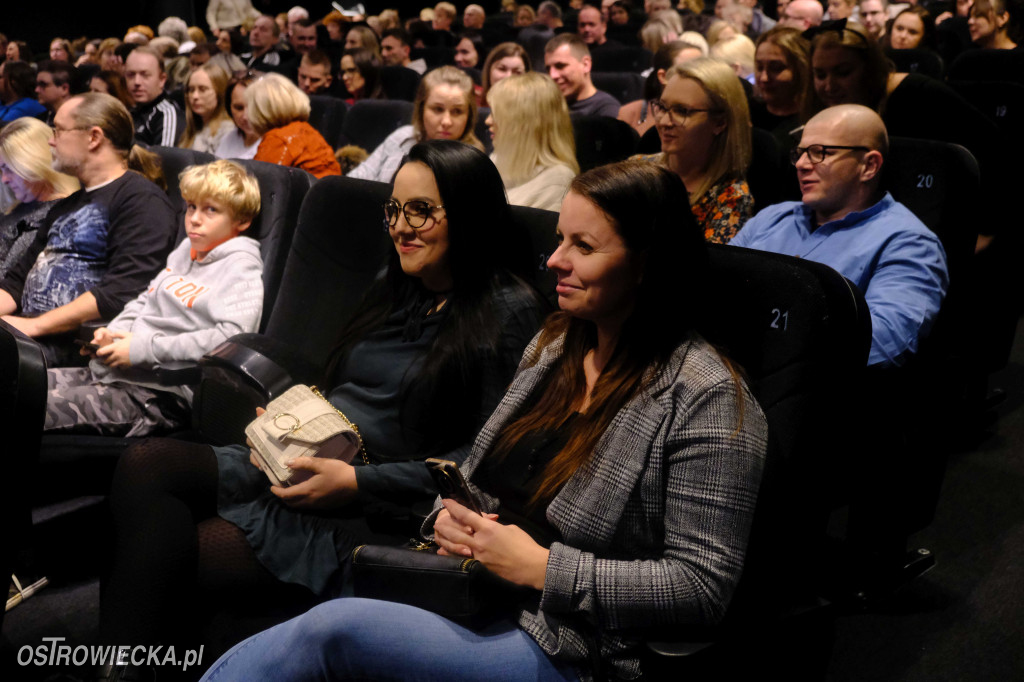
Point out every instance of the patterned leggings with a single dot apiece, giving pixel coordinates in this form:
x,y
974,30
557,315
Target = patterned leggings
x,y
180,573
76,403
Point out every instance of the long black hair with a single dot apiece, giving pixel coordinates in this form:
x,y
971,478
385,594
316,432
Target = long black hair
x,y
480,230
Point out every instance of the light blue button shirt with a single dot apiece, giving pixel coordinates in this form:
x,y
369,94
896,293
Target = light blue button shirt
x,y
892,257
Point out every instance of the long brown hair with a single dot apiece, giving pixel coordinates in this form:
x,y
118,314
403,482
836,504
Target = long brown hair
x,y
446,75
194,122
876,67
498,53
797,52
646,204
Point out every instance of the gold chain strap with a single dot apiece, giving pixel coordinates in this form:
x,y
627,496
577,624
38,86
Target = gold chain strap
x,y
359,436
431,546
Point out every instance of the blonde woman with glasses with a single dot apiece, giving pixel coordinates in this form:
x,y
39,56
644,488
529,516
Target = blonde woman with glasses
x,y
534,148
26,167
704,125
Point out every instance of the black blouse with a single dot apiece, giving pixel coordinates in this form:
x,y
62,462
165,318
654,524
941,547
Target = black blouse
x,y
514,478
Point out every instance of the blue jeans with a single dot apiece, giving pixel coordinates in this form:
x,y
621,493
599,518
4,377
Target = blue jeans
x,y
364,639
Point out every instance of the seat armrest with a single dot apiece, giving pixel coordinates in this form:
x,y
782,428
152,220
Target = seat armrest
x,y
23,368
679,642
88,329
682,641
795,644
678,649
245,372
23,406
243,360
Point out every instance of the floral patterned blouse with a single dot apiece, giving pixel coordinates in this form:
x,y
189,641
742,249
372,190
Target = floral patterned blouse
x,y
722,210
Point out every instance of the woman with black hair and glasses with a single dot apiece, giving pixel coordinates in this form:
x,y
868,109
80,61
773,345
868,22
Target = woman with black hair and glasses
x,y
419,368
704,124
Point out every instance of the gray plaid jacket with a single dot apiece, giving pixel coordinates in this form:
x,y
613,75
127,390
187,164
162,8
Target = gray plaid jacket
x,y
655,526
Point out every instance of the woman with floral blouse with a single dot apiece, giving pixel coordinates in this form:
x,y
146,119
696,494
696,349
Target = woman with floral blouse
x,y
704,125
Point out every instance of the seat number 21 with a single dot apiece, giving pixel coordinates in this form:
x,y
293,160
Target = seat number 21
x,y
781,319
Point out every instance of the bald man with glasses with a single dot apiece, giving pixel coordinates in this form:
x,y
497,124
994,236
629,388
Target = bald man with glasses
x,y
847,222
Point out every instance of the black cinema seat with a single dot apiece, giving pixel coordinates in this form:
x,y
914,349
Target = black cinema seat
x,y
625,87
922,61
801,332
370,121
327,115
601,140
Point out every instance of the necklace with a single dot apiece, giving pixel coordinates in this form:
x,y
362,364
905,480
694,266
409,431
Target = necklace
x,y
440,302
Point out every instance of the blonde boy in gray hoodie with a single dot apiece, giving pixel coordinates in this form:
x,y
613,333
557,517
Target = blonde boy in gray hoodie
x,y
211,289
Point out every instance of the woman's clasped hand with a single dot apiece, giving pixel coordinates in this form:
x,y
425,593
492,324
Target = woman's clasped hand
x,y
332,484
507,551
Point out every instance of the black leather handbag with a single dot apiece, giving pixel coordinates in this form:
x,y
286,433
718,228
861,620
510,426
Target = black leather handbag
x,y
454,587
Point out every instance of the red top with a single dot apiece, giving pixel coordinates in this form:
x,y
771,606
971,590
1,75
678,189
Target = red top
x,y
298,144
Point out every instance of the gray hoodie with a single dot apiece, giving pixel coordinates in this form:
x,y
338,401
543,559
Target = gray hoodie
x,y
189,309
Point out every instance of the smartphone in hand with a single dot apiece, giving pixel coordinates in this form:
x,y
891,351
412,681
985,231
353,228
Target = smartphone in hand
x,y
451,484
88,346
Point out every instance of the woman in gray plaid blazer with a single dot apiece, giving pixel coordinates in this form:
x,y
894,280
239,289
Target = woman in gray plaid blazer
x,y
619,474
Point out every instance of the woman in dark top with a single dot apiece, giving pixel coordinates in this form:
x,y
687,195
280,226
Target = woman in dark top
x,y
912,29
360,72
618,474
468,50
991,25
422,364
26,167
847,67
782,70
